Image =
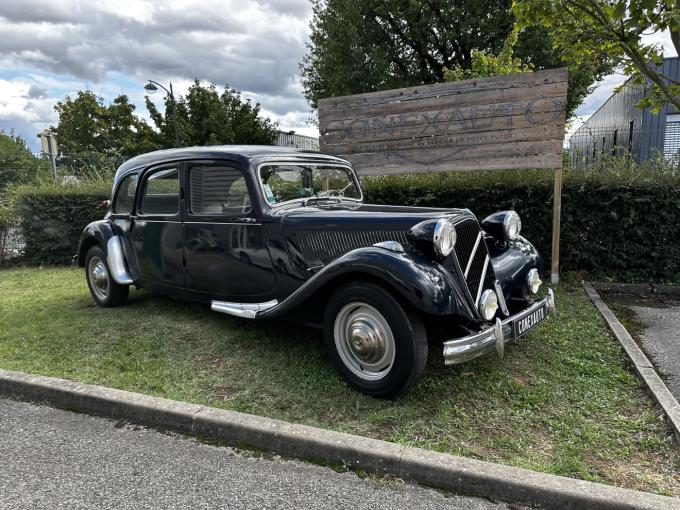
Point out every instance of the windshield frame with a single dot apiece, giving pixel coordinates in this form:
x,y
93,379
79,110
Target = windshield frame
x,y
350,171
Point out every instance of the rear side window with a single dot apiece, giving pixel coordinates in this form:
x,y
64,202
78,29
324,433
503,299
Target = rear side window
x,y
161,193
125,196
218,190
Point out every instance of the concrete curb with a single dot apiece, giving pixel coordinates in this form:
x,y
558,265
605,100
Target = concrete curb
x,y
644,368
457,474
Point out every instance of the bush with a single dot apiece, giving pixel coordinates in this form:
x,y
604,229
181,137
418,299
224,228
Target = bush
x,y
8,221
52,217
617,223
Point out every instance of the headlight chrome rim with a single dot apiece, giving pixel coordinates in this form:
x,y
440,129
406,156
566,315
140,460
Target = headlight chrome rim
x,y
488,304
444,238
512,225
533,281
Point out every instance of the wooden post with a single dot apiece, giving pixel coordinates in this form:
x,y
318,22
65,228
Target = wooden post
x,y
557,212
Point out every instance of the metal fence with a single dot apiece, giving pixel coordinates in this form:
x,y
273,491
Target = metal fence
x,y
587,146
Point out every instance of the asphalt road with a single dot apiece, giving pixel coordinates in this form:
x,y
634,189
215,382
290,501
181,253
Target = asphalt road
x,y
660,339
56,459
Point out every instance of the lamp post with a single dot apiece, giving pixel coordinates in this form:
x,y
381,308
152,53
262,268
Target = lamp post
x,y
152,87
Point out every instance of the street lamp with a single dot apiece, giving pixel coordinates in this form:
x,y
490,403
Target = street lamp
x,y
151,87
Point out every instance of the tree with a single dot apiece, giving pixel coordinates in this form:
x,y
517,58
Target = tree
x,y
18,165
592,30
206,117
89,130
373,45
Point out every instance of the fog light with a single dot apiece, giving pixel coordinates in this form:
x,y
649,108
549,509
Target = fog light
x,y
488,304
533,281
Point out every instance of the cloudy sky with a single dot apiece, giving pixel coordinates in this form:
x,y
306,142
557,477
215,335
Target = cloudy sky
x,y
51,48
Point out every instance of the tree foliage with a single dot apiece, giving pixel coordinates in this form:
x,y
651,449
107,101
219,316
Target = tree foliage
x,y
484,64
18,165
88,126
587,31
207,117
373,45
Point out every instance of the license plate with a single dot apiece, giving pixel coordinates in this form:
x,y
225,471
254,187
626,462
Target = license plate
x,y
529,321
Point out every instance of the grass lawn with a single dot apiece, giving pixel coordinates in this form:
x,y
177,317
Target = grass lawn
x,y
563,401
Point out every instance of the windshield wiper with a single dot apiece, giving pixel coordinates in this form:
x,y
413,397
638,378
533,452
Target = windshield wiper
x,y
330,194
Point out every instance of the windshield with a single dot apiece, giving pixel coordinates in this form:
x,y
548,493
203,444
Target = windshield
x,y
283,183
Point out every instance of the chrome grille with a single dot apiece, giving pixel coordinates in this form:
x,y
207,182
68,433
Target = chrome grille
x,y
319,247
473,258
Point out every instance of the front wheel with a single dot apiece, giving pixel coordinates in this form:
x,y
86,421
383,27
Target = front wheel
x,y
104,289
377,345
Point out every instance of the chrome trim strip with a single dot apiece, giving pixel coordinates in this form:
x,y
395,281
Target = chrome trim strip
x,y
116,260
244,223
501,298
245,310
481,280
472,254
141,219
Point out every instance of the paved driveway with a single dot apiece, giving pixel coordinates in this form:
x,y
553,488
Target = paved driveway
x,y
660,340
58,459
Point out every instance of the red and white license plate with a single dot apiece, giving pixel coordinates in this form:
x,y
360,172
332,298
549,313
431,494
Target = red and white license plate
x,y
524,324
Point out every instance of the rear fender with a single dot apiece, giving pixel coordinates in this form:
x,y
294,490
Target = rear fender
x,y
120,257
423,283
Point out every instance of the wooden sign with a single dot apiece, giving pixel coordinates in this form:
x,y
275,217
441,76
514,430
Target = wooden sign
x,y
512,121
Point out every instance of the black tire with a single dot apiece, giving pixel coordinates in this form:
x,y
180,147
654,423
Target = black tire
x,y
103,288
386,372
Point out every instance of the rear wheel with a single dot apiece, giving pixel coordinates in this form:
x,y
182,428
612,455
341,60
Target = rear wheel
x,y
377,345
104,289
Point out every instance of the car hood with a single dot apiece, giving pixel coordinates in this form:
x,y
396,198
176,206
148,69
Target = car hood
x,y
345,215
317,234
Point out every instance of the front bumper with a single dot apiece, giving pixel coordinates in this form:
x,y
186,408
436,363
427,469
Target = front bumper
x,y
469,347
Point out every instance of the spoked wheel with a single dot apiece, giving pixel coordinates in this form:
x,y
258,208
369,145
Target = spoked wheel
x,y
104,289
376,344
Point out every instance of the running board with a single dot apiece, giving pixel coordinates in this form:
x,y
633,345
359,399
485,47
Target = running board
x,y
245,310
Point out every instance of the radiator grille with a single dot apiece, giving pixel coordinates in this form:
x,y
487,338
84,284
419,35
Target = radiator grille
x,y
319,247
473,257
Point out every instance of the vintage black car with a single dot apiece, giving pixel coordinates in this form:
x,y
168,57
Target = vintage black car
x,y
262,232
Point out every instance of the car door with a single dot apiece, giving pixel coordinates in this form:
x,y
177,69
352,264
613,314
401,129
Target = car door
x,y
156,229
224,243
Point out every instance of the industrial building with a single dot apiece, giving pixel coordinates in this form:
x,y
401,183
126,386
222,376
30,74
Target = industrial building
x,y
618,127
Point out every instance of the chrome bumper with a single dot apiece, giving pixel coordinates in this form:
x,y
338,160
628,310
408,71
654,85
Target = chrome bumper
x,y
469,347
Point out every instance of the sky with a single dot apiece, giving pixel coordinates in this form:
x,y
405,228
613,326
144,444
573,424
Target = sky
x,y
53,48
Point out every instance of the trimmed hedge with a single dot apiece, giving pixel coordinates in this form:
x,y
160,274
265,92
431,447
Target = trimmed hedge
x,y
623,226
53,216
617,225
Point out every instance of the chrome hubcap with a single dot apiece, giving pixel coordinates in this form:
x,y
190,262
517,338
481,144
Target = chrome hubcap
x,y
364,341
99,277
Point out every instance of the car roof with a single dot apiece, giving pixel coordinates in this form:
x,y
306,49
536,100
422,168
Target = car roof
x,y
244,152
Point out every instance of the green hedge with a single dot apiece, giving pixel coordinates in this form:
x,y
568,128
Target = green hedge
x,y
615,225
53,216
620,225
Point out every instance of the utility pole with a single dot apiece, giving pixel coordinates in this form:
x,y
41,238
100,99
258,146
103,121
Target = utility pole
x,y
48,142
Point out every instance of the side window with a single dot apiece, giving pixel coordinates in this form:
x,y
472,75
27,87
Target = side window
x,y
220,190
125,196
161,193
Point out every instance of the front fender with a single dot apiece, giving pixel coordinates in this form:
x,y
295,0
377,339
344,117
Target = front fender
x,y
511,263
423,283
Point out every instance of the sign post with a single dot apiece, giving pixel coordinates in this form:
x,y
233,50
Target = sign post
x,y
512,121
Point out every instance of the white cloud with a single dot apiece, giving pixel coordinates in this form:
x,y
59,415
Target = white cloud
x,y
114,47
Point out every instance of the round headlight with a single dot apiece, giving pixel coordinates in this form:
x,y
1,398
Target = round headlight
x,y
488,304
533,281
512,225
444,238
